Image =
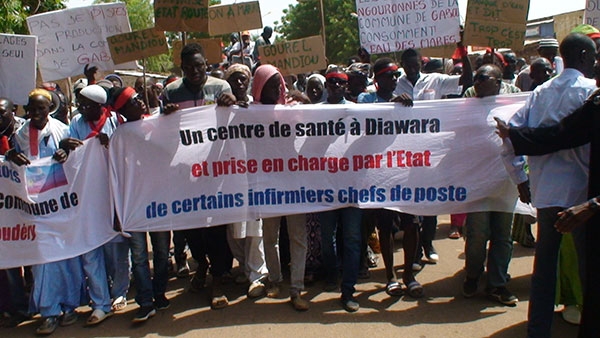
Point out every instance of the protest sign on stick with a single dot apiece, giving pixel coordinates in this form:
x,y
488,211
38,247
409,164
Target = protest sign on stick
x,y
591,16
137,45
296,56
237,17
70,39
17,62
212,50
497,24
393,25
184,16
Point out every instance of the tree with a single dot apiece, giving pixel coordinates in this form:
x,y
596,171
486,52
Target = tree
x,y
13,14
341,27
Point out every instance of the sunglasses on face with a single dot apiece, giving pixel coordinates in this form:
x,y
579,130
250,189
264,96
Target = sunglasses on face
x,y
336,81
483,78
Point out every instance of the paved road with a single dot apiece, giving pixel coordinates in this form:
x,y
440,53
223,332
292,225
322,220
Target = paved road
x,y
443,312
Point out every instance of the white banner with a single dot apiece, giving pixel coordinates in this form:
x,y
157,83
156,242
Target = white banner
x,y
51,211
69,39
214,165
393,25
17,62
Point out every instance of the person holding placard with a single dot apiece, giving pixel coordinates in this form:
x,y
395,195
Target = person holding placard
x,y
386,74
57,286
196,88
268,87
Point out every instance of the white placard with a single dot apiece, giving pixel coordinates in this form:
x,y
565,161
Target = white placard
x,y
17,62
393,25
70,39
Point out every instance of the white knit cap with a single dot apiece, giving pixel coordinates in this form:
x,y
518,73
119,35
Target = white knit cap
x,y
94,93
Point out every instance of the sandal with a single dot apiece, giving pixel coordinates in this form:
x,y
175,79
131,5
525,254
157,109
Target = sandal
x,y
119,304
98,316
454,232
219,302
414,289
394,289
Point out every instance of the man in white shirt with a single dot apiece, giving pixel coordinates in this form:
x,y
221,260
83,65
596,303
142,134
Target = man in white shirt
x,y
557,178
431,86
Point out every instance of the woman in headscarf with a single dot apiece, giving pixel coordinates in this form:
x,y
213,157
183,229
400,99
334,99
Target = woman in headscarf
x,y
268,87
315,88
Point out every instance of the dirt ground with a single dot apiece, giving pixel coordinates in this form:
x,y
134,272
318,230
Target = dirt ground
x,y
443,312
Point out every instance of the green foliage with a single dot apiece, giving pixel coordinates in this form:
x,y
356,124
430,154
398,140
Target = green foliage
x,y
341,28
13,13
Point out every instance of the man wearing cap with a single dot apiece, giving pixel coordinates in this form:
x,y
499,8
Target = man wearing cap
x,y
547,48
241,52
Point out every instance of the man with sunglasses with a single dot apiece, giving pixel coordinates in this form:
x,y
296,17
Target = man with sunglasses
x,y
489,226
488,81
386,75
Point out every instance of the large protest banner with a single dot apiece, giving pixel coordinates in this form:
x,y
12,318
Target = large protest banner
x,y
216,165
17,64
51,211
296,56
591,15
137,45
237,17
393,25
212,50
497,23
70,39
184,16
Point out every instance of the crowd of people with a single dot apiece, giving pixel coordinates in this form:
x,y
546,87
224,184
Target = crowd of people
x,y
559,168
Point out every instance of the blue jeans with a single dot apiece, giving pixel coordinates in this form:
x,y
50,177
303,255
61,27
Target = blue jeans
x,y
94,269
116,256
350,221
494,227
543,278
147,287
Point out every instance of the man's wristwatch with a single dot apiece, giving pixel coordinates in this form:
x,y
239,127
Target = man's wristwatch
x,y
593,204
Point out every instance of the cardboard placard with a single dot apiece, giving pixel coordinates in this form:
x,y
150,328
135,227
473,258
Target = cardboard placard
x,y
69,39
591,15
137,45
17,61
296,56
496,23
393,25
237,17
212,50
181,16
445,51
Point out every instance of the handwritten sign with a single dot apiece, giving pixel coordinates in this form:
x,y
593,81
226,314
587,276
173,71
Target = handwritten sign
x,y
70,39
591,16
181,16
496,23
234,18
296,56
17,61
137,45
392,25
212,50
445,51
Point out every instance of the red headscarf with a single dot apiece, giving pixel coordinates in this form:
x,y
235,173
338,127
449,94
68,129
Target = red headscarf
x,y
261,76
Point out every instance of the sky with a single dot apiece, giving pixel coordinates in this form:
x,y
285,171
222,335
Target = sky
x,y
272,10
